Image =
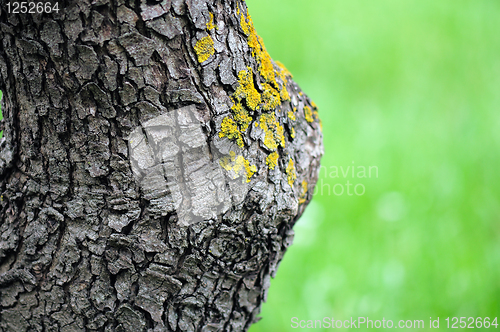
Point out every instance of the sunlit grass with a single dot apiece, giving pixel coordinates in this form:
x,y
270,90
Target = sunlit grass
x,y
412,88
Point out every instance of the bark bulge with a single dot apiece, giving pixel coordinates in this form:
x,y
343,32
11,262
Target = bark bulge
x,y
153,162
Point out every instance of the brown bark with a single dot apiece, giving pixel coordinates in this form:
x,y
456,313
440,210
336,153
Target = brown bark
x,y
153,163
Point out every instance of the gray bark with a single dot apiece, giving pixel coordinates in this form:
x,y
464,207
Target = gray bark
x,y
153,164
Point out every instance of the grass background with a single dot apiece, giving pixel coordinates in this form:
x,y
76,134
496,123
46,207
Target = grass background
x,y
412,87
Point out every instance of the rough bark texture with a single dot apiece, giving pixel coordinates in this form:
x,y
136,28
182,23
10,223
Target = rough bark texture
x,y
153,163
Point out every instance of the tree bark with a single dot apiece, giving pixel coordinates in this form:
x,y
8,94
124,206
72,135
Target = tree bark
x,y
153,163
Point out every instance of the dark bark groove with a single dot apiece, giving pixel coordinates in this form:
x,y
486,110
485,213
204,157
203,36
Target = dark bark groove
x,y
153,163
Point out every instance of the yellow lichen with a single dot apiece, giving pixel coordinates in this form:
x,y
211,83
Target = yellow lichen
x,y
272,160
264,61
279,134
284,92
241,116
246,89
284,71
316,115
308,114
229,128
247,98
290,172
283,74
204,48
242,163
315,110
273,131
250,169
302,198
241,119
270,97
225,162
239,165
243,23
210,24
263,58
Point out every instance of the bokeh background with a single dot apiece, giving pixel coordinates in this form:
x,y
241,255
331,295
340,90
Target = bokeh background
x,y
413,88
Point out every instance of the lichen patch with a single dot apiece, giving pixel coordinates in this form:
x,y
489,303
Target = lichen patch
x,y
303,198
241,116
273,131
229,129
308,114
210,23
265,64
291,173
246,89
270,97
272,160
204,48
238,165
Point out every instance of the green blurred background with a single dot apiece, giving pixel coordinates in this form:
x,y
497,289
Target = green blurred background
x,y
412,87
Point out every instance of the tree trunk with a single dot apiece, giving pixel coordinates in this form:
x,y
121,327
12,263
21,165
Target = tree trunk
x,y
153,163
